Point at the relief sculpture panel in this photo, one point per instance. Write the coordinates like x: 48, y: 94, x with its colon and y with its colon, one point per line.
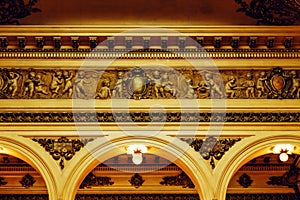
x: 149, y: 83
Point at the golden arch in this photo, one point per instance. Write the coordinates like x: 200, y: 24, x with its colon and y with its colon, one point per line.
x: 245, y: 151
x: 189, y: 162
x: 26, y: 153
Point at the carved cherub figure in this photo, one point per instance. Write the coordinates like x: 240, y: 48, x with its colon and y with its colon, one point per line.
x: 57, y: 81
x: 118, y: 90
x: 167, y: 86
x: 249, y: 85
x: 29, y: 84
x: 40, y: 86
x: 202, y: 90
x: 13, y: 83
x: 104, y: 92
x: 295, y: 90
x: 68, y: 83
x: 156, y: 78
x: 260, y: 84
x: 230, y: 87
x: 214, y: 88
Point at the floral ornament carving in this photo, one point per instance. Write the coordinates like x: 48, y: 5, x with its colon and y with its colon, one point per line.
x: 139, y: 117
x: 2, y: 182
x: 271, y: 12
x: 27, y: 181
x: 12, y: 10
x: 211, y: 148
x: 180, y: 180
x: 136, y: 180
x: 62, y: 148
x: 92, y: 180
x: 245, y: 180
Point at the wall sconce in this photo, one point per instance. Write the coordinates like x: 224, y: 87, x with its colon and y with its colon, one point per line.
x: 284, y: 150
x: 137, y: 151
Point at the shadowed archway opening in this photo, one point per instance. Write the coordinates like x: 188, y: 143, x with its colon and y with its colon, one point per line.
x: 19, y: 180
x: 119, y: 178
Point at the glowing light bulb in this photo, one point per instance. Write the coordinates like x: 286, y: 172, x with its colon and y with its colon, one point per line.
x: 283, y: 157
x: 137, y: 158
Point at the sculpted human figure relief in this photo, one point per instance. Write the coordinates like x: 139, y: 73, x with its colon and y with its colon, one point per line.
x: 260, y: 84
x: 215, y: 90
x: 13, y: 83
x: 104, y: 92
x: 40, y: 86
x: 119, y: 86
x: 295, y: 89
x: 230, y: 87
x: 56, y: 83
x: 167, y: 87
x: 249, y: 86
x: 68, y: 83
x: 29, y: 84
x: 157, y: 85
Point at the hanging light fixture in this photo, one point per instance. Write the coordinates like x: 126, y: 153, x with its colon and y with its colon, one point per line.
x: 284, y: 150
x: 137, y: 151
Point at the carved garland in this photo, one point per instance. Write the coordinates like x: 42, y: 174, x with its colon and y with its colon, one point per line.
x: 62, y: 148
x: 211, y: 147
x: 141, y: 117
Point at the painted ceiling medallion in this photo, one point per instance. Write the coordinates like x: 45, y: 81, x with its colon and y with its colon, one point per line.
x: 13, y: 10
x: 271, y: 12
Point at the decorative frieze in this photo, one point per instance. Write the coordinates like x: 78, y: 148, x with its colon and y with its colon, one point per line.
x: 180, y: 180
x: 24, y: 196
x: 91, y: 180
x: 62, y: 148
x: 139, y: 83
x: 211, y: 148
x: 142, y: 117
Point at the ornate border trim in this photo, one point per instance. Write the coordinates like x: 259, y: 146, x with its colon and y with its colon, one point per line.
x: 144, y: 117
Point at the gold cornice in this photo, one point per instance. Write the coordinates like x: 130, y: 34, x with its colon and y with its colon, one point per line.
x: 83, y: 30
